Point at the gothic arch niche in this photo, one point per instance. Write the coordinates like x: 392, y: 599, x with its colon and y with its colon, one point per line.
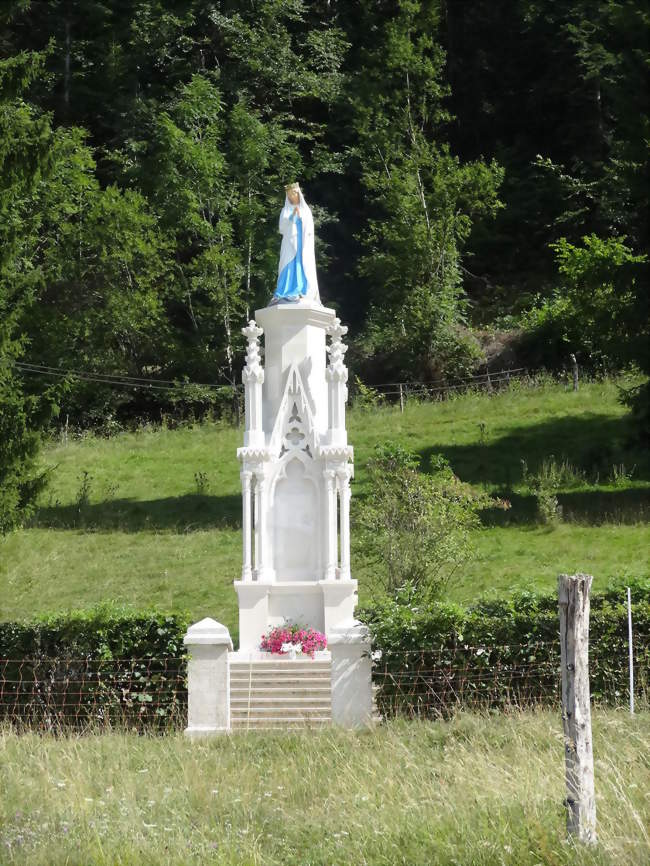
x: 295, y: 524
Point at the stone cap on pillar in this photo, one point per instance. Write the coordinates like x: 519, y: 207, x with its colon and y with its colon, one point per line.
x: 207, y: 632
x: 304, y: 312
x: 350, y: 632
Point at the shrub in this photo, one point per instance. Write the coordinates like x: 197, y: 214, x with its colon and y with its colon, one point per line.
x: 499, y: 651
x: 103, y: 665
x: 599, y: 310
x: 414, y: 528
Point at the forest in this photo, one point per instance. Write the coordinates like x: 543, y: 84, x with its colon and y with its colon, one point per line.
x: 478, y: 174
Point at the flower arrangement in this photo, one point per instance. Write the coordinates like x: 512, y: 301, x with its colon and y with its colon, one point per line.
x: 291, y: 639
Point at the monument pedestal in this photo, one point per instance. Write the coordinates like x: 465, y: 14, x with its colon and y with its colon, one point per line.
x: 296, y: 467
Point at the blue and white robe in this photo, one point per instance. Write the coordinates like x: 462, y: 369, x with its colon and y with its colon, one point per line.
x: 297, y: 267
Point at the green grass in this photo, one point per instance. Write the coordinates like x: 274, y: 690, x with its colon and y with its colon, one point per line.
x: 146, y: 532
x: 474, y: 791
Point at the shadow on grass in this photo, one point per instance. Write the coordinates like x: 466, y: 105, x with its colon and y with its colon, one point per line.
x: 189, y: 513
x: 589, y: 507
x: 593, y: 443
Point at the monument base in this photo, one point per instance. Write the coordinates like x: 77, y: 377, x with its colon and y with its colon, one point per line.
x: 322, y: 605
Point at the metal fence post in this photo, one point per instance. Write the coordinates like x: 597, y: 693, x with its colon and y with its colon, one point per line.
x: 630, y: 648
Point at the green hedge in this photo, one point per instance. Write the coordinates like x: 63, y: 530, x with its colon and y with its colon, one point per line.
x: 111, y: 665
x: 106, y: 665
x: 431, y: 660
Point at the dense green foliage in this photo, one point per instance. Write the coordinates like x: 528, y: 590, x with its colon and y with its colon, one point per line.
x: 25, y: 159
x: 413, y: 528
x: 105, y: 632
x: 436, y: 657
x: 446, y: 149
x: 103, y: 665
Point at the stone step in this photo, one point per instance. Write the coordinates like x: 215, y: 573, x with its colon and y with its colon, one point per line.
x: 280, y: 682
x: 286, y: 722
x: 290, y: 669
x: 280, y: 694
x: 307, y: 704
x: 280, y: 701
x: 270, y: 692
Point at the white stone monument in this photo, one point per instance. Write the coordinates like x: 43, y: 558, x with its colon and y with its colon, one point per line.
x: 295, y: 472
x: 296, y: 467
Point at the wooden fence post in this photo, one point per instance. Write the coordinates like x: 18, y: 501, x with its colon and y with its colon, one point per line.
x: 573, y: 600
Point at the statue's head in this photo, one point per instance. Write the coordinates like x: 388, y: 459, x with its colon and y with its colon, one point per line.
x: 293, y: 193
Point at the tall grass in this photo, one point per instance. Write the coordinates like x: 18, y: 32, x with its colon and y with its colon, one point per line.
x: 476, y: 791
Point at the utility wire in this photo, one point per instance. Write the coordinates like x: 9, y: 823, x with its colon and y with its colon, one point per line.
x: 118, y: 379
x: 167, y: 385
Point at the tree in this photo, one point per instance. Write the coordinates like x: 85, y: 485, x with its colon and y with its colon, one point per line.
x: 422, y: 200
x: 414, y: 528
x: 599, y: 310
x: 25, y: 139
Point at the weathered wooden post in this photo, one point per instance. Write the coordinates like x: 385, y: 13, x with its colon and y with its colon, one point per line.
x: 573, y: 599
x: 401, y: 398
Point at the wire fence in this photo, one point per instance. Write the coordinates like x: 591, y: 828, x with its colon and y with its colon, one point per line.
x: 63, y: 694
x: 490, y: 380
x: 438, y: 683
x: 151, y: 694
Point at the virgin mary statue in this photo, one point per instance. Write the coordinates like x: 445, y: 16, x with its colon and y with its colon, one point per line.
x: 297, y: 268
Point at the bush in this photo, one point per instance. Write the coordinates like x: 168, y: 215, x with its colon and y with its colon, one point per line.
x: 598, y: 312
x: 499, y: 651
x: 413, y: 527
x: 99, y: 666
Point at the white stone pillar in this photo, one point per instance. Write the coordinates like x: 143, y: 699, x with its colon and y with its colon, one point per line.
x: 256, y: 526
x: 265, y: 573
x: 331, y: 527
x: 337, y: 376
x: 247, y: 565
x: 253, y: 378
x: 349, y: 644
x: 208, y: 678
x: 344, y: 495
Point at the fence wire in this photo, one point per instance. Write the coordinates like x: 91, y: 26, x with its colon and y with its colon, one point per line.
x: 58, y: 694
x: 52, y: 694
x: 438, y: 683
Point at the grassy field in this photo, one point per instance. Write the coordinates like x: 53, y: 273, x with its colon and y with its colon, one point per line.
x: 153, y: 517
x: 471, y: 791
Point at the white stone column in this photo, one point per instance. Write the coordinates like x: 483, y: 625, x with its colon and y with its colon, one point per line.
x: 331, y: 527
x: 247, y: 566
x: 253, y: 378
x: 337, y: 376
x: 265, y: 573
x: 208, y: 678
x: 344, y: 498
x: 349, y: 644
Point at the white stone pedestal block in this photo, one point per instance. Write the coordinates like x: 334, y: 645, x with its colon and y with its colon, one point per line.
x: 349, y: 645
x: 208, y: 678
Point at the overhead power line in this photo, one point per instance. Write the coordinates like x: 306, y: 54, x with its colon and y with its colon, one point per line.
x: 113, y: 379
x: 387, y: 389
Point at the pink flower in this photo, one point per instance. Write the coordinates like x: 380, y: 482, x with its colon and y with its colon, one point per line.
x: 308, y: 638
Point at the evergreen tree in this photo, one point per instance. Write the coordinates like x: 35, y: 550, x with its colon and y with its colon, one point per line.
x: 422, y: 198
x: 25, y: 138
